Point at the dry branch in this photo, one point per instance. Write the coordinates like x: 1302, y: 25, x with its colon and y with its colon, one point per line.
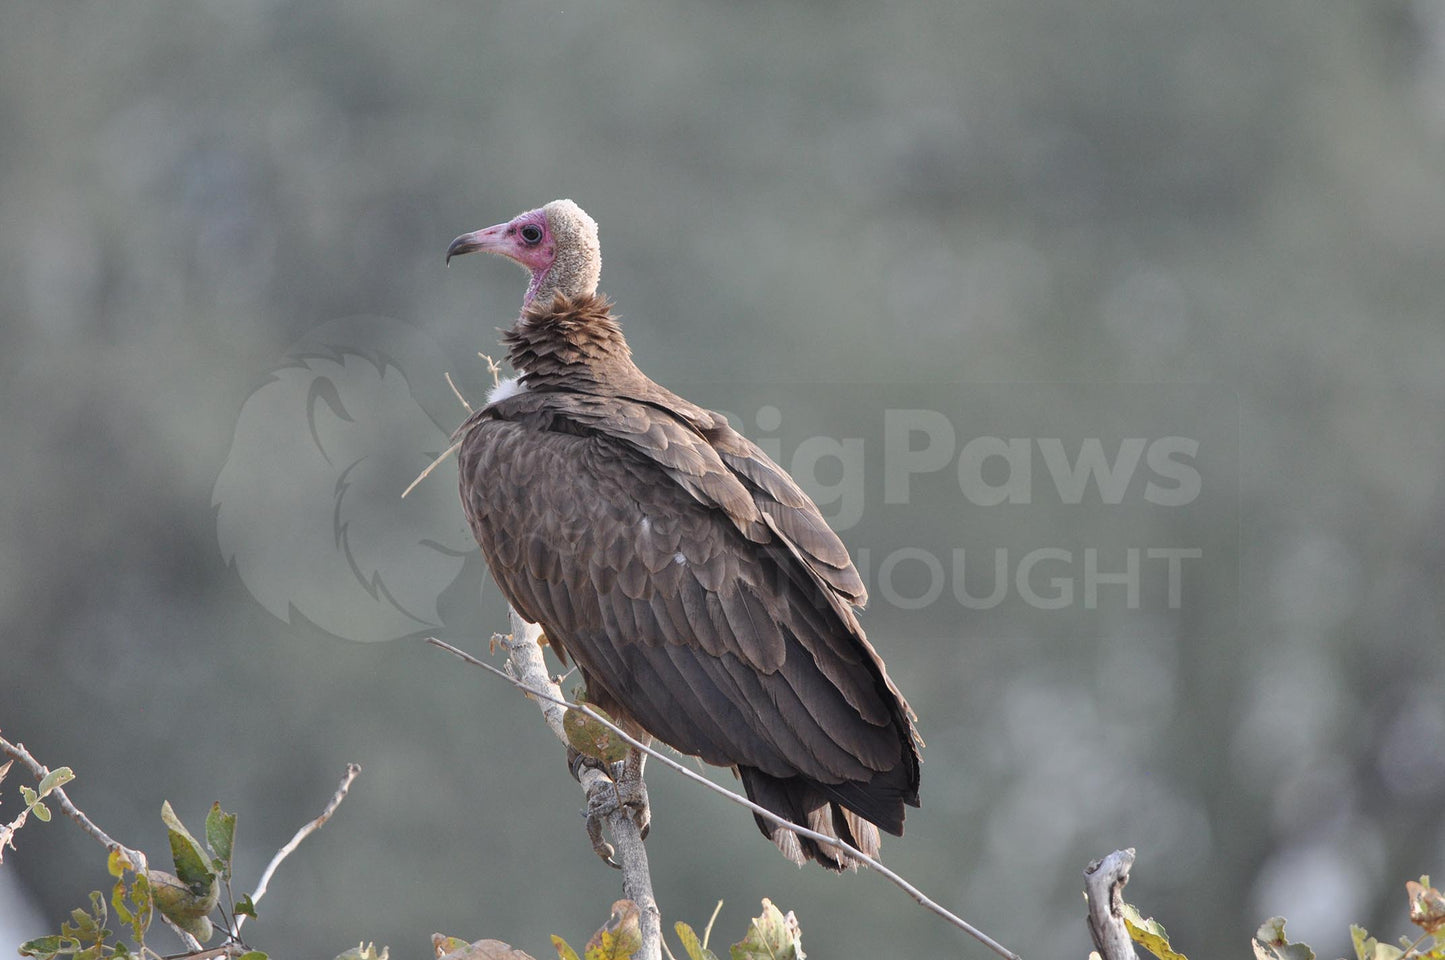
x: 1104, y: 883
x: 529, y: 671
x: 307, y: 829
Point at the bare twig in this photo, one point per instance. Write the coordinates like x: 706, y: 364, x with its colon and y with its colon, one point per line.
x: 352, y: 770
x: 707, y: 931
x: 39, y: 771
x: 493, y: 367
x: 496, y: 372
x: 452, y: 383
x: 1411, y: 950
x: 560, y: 703
x: 1104, y: 884
x: 188, y: 940
x: 232, y: 949
x: 430, y: 467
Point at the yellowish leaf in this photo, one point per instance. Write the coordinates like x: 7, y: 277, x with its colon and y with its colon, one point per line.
x: 620, y: 937
x: 1149, y: 934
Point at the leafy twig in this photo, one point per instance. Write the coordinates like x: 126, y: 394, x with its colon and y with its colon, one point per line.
x: 524, y: 656
x: 17, y: 751
x: 453, y: 384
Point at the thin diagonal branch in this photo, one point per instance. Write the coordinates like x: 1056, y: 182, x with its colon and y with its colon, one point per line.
x: 430, y: 467
x: 560, y: 703
x: 39, y: 771
x: 352, y: 770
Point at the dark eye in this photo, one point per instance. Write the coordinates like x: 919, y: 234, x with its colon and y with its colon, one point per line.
x: 531, y: 233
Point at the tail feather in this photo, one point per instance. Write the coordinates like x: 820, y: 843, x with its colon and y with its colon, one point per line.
x: 809, y: 804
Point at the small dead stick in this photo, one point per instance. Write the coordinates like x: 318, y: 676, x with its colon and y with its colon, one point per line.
x: 496, y: 372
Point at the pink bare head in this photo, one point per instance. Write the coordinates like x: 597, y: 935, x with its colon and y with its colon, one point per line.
x: 556, y: 244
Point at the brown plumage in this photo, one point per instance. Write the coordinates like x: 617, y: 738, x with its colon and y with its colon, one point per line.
x: 697, y: 588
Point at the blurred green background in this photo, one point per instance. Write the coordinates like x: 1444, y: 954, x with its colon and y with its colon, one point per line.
x: 1244, y: 196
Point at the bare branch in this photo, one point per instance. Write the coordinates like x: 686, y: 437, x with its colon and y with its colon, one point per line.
x: 493, y: 367
x: 18, y: 752
x: 528, y: 670
x: 352, y: 770
x: 213, y: 953
x: 188, y: 940
x: 552, y: 694
x: 1104, y: 883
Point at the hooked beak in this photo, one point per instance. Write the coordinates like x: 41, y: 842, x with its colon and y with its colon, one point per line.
x: 491, y: 240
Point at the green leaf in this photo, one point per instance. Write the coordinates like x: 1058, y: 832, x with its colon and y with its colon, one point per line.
x: 47, y: 948
x: 1271, y: 943
x: 221, y: 834
x: 28, y: 795
x: 1148, y: 933
x: 41, y: 811
x: 84, y: 934
x: 1368, y: 948
x: 58, y: 777
x: 771, y: 936
x: 590, y: 737
x: 88, y: 927
x: 245, y: 908
x: 364, y: 951
x: 117, y: 903
x: 452, y: 948
x: 441, y: 944
x: 690, y: 943
x: 182, y: 905
x: 138, y: 914
x: 564, y: 949
x: 192, y: 865
x: 253, y: 955
x: 1357, y: 938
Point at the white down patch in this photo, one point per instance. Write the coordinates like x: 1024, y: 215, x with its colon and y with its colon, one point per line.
x: 506, y: 389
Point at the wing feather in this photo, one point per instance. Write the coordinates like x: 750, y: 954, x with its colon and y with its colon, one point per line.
x: 698, y: 589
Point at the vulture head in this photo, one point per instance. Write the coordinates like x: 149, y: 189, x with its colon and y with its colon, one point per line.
x: 557, y: 244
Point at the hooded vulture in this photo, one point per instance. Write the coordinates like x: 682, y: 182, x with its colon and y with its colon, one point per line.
x: 694, y: 584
